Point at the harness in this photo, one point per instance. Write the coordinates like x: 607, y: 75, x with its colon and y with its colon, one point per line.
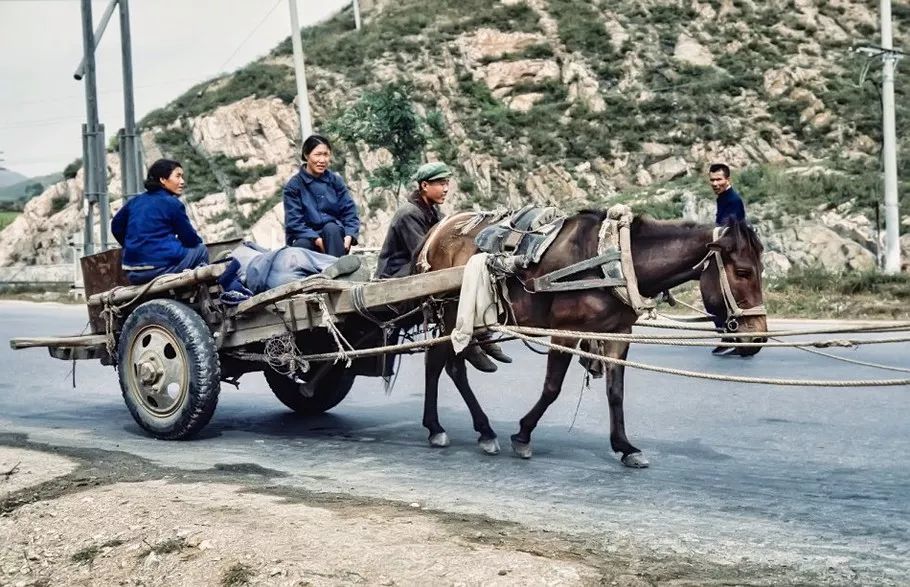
x: 734, y: 311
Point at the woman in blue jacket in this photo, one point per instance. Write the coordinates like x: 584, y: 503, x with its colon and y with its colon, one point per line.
x: 319, y: 213
x: 157, y: 237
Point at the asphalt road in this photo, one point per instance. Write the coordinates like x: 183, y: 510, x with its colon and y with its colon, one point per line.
x: 816, y: 480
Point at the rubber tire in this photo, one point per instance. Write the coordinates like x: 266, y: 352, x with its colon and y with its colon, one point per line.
x: 333, y: 388
x: 198, y: 345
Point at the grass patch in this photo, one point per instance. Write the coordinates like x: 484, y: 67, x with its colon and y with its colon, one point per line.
x: 166, y: 546
x: 238, y: 574
x: 257, y: 79
x: 59, y: 202
x: 88, y: 554
x: 6, y: 218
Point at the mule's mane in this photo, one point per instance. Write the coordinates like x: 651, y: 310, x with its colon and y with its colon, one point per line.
x: 741, y: 235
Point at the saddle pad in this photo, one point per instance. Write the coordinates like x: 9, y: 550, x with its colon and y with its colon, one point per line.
x: 528, y: 232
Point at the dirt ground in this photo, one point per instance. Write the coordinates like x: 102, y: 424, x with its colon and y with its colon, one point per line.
x: 66, y: 522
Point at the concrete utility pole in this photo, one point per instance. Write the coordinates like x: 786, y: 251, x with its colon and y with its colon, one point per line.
x: 303, y: 100
x: 94, y: 152
x: 357, y: 14
x: 130, y: 162
x: 91, y: 133
x: 889, y: 145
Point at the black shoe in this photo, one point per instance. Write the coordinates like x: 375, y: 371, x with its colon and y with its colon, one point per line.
x: 343, y: 266
x: 480, y: 360
x: 495, y: 352
x: 723, y: 350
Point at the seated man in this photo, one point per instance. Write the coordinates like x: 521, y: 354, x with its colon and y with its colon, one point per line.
x: 157, y: 237
x: 409, y: 227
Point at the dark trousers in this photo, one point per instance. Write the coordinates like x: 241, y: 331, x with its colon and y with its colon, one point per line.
x: 332, y: 239
x: 195, y: 257
x: 192, y: 258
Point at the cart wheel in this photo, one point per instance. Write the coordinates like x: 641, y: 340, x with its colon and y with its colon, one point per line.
x: 169, y: 370
x: 312, y: 399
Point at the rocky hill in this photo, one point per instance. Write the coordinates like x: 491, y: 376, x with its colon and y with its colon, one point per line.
x: 574, y: 102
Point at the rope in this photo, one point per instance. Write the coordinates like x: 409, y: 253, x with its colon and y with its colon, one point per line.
x: 651, y: 338
x: 856, y: 361
x: 711, y: 376
x: 380, y: 350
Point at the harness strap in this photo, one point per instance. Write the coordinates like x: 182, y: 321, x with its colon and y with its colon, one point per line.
x: 733, y: 309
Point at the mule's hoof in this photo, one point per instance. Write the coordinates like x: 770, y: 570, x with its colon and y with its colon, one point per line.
x: 490, y: 447
x: 440, y: 440
x: 636, y: 460
x: 521, y: 449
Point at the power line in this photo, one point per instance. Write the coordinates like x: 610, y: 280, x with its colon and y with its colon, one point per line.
x: 250, y: 35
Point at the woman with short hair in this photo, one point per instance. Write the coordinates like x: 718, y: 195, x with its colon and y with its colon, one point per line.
x: 319, y: 213
x: 157, y: 237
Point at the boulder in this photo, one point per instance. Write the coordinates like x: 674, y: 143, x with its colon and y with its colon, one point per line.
x: 690, y: 51
x: 669, y: 168
x: 505, y: 74
x: 490, y: 44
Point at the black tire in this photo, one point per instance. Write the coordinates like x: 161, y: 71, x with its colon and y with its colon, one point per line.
x: 327, y: 393
x: 169, y: 369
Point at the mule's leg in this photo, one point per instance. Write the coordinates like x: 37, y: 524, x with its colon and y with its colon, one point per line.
x: 557, y: 365
x: 456, y: 369
x: 615, y: 377
x: 435, y: 361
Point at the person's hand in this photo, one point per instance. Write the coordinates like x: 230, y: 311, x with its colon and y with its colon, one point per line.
x: 319, y: 245
x: 347, y: 242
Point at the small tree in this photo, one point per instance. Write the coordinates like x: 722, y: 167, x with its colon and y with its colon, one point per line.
x: 33, y: 189
x: 386, y: 119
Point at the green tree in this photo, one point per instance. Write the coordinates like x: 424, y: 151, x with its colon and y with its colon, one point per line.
x: 386, y: 119
x: 34, y: 189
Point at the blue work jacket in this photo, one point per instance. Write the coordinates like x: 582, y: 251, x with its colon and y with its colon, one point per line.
x: 729, y: 205
x: 311, y: 202
x: 154, y: 230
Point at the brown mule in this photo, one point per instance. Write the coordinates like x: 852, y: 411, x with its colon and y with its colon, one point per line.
x: 664, y: 255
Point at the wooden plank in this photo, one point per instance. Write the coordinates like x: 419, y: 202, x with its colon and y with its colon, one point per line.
x: 401, y: 289
x: 89, y: 340
x: 312, y: 283
x: 265, y: 323
x: 204, y: 274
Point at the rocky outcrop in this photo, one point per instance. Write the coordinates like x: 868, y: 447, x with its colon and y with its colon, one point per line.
x: 690, y: 51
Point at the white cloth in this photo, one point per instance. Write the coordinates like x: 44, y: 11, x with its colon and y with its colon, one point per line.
x: 478, y: 304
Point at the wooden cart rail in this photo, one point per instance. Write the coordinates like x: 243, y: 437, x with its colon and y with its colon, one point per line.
x: 271, y: 312
x: 276, y: 310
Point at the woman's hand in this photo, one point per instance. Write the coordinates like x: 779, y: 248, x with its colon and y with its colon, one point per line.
x: 319, y: 244
x: 347, y: 243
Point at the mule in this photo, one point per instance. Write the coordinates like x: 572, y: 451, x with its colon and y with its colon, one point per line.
x: 665, y: 254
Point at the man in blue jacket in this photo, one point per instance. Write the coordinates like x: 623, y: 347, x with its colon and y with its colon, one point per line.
x: 729, y: 202
x: 729, y: 207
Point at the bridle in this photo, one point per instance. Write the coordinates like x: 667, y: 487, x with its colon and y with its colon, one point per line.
x: 733, y: 309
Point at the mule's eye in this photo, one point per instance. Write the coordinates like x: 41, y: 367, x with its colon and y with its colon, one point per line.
x: 744, y: 273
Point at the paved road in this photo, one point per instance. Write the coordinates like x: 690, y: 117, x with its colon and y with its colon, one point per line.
x: 811, y: 479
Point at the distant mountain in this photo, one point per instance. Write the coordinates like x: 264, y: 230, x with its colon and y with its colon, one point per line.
x: 8, y: 177
x: 22, y: 189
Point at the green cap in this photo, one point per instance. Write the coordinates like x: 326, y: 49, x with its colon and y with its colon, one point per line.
x: 431, y: 171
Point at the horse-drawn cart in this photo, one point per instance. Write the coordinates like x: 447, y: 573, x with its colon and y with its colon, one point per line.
x: 173, y: 342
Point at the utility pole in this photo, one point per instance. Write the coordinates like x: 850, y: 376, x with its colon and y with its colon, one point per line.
x: 303, y: 101
x: 889, y: 145
x: 94, y: 152
x: 93, y: 184
x: 130, y: 164
x: 356, y: 14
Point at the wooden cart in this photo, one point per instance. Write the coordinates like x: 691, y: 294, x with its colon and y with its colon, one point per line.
x: 173, y: 342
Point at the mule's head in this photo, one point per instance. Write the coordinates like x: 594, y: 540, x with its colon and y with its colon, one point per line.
x: 734, y: 295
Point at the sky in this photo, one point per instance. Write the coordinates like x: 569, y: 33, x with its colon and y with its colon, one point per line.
x: 176, y: 43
